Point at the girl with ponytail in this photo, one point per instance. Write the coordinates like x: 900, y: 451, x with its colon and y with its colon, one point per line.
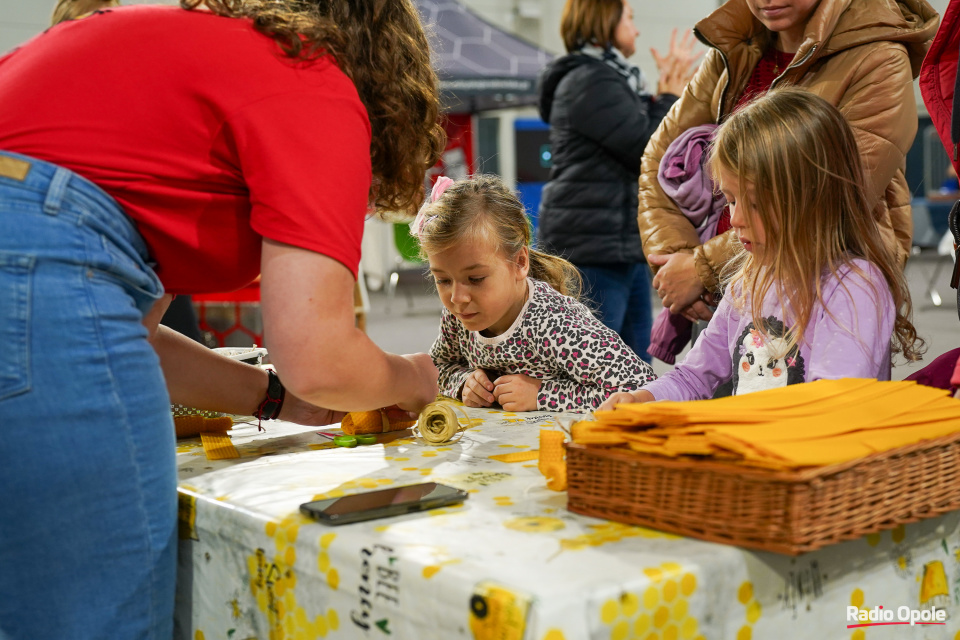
x: 513, y: 332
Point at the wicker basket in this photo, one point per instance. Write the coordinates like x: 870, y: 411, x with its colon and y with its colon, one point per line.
x: 786, y: 512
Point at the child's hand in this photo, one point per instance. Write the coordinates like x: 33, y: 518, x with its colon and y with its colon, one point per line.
x: 517, y: 392
x: 640, y: 395
x: 477, y: 390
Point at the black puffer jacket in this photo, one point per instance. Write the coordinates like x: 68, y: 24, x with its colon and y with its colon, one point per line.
x: 598, y: 130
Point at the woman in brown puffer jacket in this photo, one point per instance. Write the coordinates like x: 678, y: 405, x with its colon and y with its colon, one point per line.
x: 860, y: 55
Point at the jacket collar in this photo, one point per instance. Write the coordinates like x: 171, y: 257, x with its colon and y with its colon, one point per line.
x: 834, y: 26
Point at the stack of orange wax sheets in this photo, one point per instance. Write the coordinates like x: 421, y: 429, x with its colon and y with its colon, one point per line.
x: 805, y: 425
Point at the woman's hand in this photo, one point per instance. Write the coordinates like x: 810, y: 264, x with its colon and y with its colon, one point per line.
x: 517, y: 392
x: 678, y: 66
x: 296, y: 410
x: 477, y: 390
x: 640, y: 395
x: 676, y: 282
x: 425, y: 382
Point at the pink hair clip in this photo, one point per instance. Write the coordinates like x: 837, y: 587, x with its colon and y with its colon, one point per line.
x: 441, y: 185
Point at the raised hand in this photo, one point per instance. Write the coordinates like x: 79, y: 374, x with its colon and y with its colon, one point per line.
x: 678, y: 65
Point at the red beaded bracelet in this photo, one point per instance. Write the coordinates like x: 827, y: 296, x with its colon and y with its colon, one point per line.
x: 269, y: 409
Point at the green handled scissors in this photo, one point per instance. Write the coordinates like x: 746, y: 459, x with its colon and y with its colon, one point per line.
x: 349, y: 442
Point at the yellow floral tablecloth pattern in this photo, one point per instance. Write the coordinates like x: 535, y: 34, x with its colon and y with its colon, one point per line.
x: 511, y: 563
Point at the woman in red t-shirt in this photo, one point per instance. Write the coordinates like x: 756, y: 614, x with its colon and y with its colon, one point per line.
x: 147, y: 151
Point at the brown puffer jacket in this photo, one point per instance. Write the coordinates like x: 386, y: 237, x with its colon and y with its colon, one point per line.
x: 860, y: 55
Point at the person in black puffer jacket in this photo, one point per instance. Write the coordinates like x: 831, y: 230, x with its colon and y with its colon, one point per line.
x: 601, y: 117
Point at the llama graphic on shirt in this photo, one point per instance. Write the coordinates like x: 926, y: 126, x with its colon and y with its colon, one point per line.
x: 759, y: 362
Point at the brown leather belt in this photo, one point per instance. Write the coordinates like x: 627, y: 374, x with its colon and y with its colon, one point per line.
x: 14, y: 168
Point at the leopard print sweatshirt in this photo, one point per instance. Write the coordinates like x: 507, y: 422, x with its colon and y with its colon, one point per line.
x: 554, y: 339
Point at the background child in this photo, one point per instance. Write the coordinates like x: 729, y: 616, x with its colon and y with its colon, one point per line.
x: 72, y: 9
x: 815, y: 291
x: 523, y: 342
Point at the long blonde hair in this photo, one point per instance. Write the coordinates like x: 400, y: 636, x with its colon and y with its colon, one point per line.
x: 72, y: 9
x: 381, y: 46
x: 484, y: 205
x: 801, y: 157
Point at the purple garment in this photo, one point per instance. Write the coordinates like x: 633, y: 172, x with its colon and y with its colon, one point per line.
x: 669, y: 335
x: 938, y: 373
x: 851, y: 341
x: 683, y: 178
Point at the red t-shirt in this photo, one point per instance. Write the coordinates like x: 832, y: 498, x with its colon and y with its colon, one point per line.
x: 768, y: 68
x: 204, y: 132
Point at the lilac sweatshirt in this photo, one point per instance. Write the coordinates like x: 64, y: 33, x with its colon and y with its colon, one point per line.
x: 851, y: 341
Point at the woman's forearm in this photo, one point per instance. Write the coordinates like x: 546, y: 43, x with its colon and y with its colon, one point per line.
x: 345, y: 371
x: 201, y: 378
x: 309, y: 323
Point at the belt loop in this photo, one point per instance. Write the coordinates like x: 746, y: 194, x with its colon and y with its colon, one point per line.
x: 58, y: 186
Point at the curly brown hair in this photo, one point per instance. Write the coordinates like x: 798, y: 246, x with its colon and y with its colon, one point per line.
x: 381, y: 46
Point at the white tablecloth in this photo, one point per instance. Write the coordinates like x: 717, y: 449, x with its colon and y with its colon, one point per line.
x: 511, y: 563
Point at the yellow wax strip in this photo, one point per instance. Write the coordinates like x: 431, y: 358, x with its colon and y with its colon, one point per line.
x: 600, y: 438
x: 517, y: 456
x: 644, y: 439
x: 818, y: 423
x: 218, y: 446
x: 885, y: 439
x: 896, y: 402
x: 814, y: 398
x: 193, y: 425
x: 690, y: 445
x: 658, y: 449
x: 797, y: 398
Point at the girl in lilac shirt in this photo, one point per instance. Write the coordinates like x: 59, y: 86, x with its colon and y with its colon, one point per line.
x: 814, y: 293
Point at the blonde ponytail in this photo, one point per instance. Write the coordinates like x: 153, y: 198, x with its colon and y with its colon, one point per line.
x: 484, y: 204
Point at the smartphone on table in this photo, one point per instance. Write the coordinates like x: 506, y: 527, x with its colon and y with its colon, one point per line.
x: 393, y: 501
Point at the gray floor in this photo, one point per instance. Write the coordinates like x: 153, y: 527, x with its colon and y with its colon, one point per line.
x: 409, y: 323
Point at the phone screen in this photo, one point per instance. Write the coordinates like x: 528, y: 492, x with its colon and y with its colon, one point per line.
x: 383, y: 503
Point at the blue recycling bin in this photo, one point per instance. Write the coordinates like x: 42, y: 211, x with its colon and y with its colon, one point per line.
x: 534, y: 159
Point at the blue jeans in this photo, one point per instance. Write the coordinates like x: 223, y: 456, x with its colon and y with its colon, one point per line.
x: 87, y: 471
x: 620, y: 294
